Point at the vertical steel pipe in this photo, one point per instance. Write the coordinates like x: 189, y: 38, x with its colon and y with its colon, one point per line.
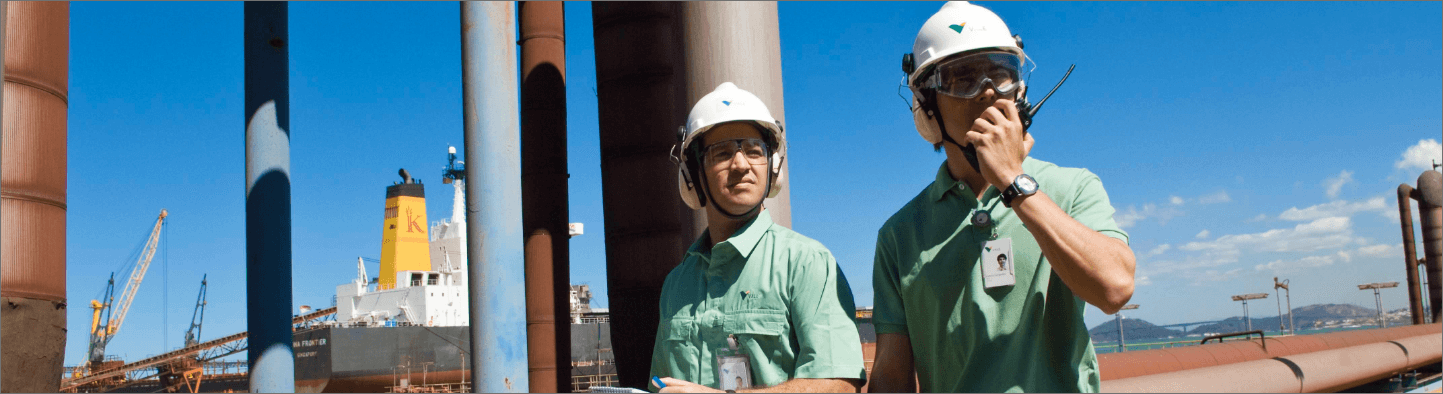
x: 1430, y: 214
x: 36, y: 53
x: 268, y: 198
x: 738, y: 42
x: 544, y: 193
x: 641, y: 99
x: 493, y: 192
x: 1410, y: 254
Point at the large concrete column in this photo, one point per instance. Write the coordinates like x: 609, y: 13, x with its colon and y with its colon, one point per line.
x: 641, y: 100
x: 1410, y: 253
x: 493, y: 192
x: 738, y: 42
x: 1430, y: 214
x: 544, y: 194
x: 32, y: 195
x: 268, y: 198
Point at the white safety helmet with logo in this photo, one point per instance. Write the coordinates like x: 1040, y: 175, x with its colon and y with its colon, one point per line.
x: 957, y: 28
x: 727, y: 103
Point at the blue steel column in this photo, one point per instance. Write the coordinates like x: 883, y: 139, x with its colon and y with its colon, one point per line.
x: 268, y: 199
x: 493, y: 196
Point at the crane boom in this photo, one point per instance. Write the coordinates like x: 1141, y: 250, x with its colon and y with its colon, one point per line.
x: 113, y: 325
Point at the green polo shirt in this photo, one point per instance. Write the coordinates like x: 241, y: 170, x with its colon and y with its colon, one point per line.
x: 779, y: 293
x: 966, y: 338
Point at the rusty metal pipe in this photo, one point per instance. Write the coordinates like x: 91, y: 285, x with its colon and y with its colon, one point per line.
x: 1430, y: 214
x: 738, y: 42
x: 33, y: 195
x: 640, y: 102
x: 544, y: 194
x: 1136, y: 363
x: 1410, y: 254
x: 1318, y: 371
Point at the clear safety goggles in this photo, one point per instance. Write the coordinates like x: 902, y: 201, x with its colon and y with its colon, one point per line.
x: 754, y: 149
x: 967, y: 76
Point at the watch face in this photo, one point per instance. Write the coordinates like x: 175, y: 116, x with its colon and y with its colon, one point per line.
x: 1026, y: 184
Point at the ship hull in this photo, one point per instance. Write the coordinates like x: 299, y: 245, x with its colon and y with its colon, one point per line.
x: 369, y: 359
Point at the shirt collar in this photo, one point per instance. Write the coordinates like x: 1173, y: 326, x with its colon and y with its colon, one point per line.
x: 743, y: 241
x: 944, y: 183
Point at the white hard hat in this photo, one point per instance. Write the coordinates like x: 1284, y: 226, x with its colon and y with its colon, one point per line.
x: 727, y: 103
x: 956, y: 28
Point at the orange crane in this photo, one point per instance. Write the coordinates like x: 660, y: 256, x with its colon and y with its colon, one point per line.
x: 103, y: 325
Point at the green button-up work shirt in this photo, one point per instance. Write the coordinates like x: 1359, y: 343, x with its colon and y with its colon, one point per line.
x: 779, y: 293
x: 968, y: 338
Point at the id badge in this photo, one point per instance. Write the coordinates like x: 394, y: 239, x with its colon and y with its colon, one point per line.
x: 733, y: 368
x: 997, y: 265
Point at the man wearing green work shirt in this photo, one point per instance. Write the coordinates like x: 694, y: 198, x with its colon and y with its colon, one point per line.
x: 982, y: 278
x: 754, y: 306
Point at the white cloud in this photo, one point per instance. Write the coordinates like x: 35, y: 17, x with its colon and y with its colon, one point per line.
x: 1130, y: 216
x: 1379, y: 250
x: 1175, y: 200
x: 1335, y: 209
x: 1203, y: 234
x: 1160, y: 249
x: 1259, y: 218
x: 1335, y: 184
x: 1281, y: 266
x: 1215, y: 276
x: 1421, y: 156
x: 1220, y: 197
x: 1142, y: 281
x: 1325, y: 233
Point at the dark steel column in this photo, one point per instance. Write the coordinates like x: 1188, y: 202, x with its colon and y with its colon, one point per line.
x: 738, y: 42
x: 1410, y: 254
x: 544, y: 195
x: 641, y: 100
x: 32, y: 195
x: 1430, y: 212
x: 268, y: 198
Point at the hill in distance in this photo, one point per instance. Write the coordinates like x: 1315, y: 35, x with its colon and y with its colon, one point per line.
x: 1306, y: 317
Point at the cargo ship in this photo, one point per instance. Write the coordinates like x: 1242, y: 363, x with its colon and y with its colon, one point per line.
x: 408, y: 326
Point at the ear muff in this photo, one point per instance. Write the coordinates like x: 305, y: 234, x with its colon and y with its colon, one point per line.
x: 775, y: 187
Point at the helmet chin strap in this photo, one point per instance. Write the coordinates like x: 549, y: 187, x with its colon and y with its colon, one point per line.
x: 968, y: 151
x: 749, y: 212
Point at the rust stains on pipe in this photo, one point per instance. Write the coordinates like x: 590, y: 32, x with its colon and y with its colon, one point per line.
x: 1157, y: 361
x: 738, y: 42
x: 1430, y: 214
x: 1319, y: 371
x: 544, y: 195
x: 1410, y: 254
x: 640, y: 102
x: 37, y: 47
x: 32, y: 195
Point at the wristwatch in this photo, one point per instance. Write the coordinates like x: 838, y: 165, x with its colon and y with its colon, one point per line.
x: 1023, y: 185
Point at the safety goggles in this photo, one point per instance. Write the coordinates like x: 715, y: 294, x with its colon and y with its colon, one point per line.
x: 967, y: 76
x: 755, y: 150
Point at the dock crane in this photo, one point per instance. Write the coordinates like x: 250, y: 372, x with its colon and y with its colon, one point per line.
x: 192, y: 335
x: 103, y: 325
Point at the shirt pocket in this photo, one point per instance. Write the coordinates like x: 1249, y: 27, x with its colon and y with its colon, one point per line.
x: 679, y: 347
x: 763, y: 335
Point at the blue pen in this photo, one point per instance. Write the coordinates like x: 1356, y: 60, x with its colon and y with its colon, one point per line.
x: 657, y: 381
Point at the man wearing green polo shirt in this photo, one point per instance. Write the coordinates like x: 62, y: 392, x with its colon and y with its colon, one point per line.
x: 754, y: 306
x: 947, y: 308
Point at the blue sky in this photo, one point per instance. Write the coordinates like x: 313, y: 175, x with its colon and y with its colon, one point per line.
x: 1238, y: 141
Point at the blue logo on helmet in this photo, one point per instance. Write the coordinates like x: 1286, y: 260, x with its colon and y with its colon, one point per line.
x: 727, y: 103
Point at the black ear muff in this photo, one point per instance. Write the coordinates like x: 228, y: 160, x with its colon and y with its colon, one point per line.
x: 907, y: 64
x: 1018, y: 38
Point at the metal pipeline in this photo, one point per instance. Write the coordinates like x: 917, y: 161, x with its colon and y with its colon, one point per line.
x: 544, y: 192
x: 640, y: 102
x: 1116, y: 366
x: 1318, y: 371
x: 738, y: 42
x: 1410, y: 254
x: 268, y: 198
x: 493, y: 191
x: 33, y: 173
x: 1430, y: 214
